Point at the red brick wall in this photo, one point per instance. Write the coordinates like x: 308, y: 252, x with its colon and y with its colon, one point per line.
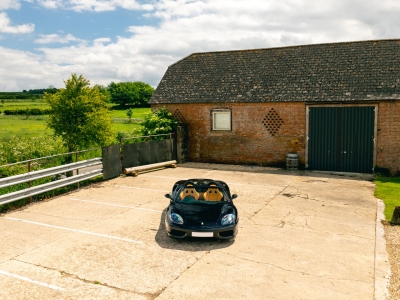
x: 388, y: 136
x: 249, y: 142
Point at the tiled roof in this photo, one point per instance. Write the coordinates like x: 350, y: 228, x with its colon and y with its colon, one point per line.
x: 354, y: 71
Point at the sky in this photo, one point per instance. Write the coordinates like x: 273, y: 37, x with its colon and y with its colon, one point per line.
x: 42, y: 42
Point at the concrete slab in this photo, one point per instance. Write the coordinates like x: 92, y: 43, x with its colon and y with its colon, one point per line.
x: 38, y: 282
x: 218, y: 276
x: 302, y: 236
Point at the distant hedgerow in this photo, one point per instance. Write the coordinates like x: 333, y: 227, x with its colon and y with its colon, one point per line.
x: 32, y: 112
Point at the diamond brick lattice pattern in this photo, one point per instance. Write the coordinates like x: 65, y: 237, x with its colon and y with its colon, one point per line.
x: 178, y: 115
x: 272, y: 122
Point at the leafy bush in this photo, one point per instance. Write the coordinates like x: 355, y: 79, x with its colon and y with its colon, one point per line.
x: 15, y: 148
x: 35, y: 112
x: 159, y: 121
x: 129, y: 113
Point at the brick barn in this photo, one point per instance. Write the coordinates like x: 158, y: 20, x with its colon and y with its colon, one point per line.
x: 336, y: 105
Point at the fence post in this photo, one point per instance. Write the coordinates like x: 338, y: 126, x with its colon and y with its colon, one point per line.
x: 76, y: 160
x: 172, y: 145
x: 30, y: 182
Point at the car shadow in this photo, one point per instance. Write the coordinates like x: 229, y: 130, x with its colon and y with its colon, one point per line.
x: 188, y: 244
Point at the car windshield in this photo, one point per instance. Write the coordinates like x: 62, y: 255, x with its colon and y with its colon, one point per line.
x: 201, y: 192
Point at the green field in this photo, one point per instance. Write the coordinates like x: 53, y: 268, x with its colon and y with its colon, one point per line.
x: 36, y: 125
x: 22, y: 104
x: 24, y: 127
x: 137, y: 113
x: 116, y: 111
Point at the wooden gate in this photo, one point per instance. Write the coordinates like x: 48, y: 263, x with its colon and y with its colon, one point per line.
x: 341, y: 138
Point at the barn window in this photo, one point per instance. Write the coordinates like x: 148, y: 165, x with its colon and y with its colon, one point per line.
x: 221, y: 119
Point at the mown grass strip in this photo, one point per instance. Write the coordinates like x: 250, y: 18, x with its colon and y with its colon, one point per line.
x: 388, y: 189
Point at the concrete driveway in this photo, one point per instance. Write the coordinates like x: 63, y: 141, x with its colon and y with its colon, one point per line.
x: 301, y: 236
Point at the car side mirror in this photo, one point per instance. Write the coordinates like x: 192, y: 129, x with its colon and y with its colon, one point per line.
x: 168, y: 196
x: 234, y: 196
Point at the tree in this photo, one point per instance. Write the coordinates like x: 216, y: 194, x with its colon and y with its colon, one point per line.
x: 79, y: 114
x: 159, y: 121
x: 27, y: 113
x: 129, y: 113
x: 104, y: 90
x: 51, y: 90
x: 130, y: 93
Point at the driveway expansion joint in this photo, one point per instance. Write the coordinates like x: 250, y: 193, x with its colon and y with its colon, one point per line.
x: 187, y: 268
x: 276, y: 195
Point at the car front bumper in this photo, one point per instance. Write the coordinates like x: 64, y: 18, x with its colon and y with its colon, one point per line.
x: 219, y: 233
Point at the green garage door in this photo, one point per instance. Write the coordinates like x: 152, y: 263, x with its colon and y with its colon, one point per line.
x: 341, y: 139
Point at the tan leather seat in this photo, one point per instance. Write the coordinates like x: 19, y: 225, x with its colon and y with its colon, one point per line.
x: 213, y: 194
x: 189, y: 191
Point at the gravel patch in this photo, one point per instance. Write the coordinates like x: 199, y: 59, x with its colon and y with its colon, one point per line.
x: 392, y: 235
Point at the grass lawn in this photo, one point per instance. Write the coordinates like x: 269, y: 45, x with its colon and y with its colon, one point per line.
x: 36, y: 126
x: 137, y: 112
x: 388, y: 189
x: 125, y: 127
x: 116, y: 112
x: 23, y: 104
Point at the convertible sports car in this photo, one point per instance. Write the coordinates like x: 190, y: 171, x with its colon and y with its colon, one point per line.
x: 201, y: 208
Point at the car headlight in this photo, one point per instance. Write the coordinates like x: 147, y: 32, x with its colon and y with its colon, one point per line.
x: 228, y: 219
x: 175, y: 218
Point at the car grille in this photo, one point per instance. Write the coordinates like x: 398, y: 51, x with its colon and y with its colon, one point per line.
x: 177, y: 233
x: 227, y: 233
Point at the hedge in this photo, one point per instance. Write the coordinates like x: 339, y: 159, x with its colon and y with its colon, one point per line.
x: 30, y: 112
x: 19, y: 95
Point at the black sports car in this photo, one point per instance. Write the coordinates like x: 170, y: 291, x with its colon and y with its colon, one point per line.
x: 201, y: 208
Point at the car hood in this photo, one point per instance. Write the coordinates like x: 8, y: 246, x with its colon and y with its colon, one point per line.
x: 202, y: 214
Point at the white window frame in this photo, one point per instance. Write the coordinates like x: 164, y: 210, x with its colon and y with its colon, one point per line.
x: 215, y: 126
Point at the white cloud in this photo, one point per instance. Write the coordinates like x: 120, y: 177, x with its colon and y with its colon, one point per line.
x: 94, y: 5
x: 6, y: 27
x: 102, y: 41
x: 195, y: 26
x: 23, y: 70
x: 56, y: 38
x: 9, y: 4
x: 50, y: 4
